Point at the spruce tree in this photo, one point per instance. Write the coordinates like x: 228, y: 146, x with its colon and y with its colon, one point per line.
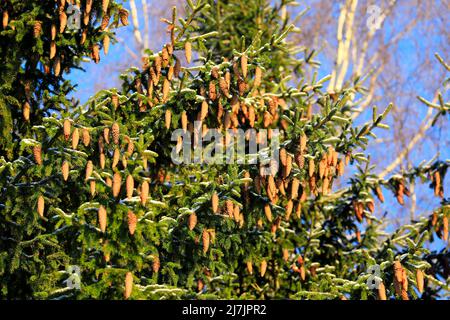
x: 140, y: 226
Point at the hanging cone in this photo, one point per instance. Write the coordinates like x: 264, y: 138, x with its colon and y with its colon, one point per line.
x: 229, y: 207
x: 88, y: 6
x: 89, y: 170
x: 258, y: 76
x: 123, y: 15
x: 283, y: 156
x: 106, y: 41
x: 249, y: 267
x: 419, y: 280
x: 102, y: 160
x: 52, y: 49
x: 268, y: 212
x: 53, y: 32
x: 130, y: 186
x: 184, y: 121
x: 130, y: 147
x: 5, y: 20
x: 102, y: 218
x: 92, y: 187
x: 129, y: 276
x: 263, y: 268
x: 398, y: 277
x: 445, y: 228
x: 66, y: 129
x: 188, y: 51
x: 116, y: 158
x: 109, y: 182
x: 156, y: 264
x: 244, y: 61
x: 215, y: 202
x: 132, y: 222
x: 105, y: 4
x: 289, y: 208
x: 62, y: 21
x: 37, y: 29
x: 204, y: 110
x: 192, y: 221
x: 168, y: 118
x: 37, y: 153
x: 75, y: 138
x: 117, y: 182
x: 115, y: 132
x: 65, y: 170
x: 166, y: 89
x: 295, y: 184
x: 379, y: 194
x: 105, y: 22
x: 205, y: 241
x: 83, y: 36
x: 40, y: 206
x: 223, y: 85
x: 177, y: 68
x: 95, y: 53
x: 86, y: 137
x: 115, y: 101
x: 144, y: 192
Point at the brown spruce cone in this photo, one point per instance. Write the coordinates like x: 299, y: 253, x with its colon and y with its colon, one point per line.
x: 5, y: 19
x: 37, y: 29
x: 96, y: 53
x: 379, y: 194
x: 106, y: 42
x: 37, y: 153
x: 204, y: 110
x: 258, y: 76
x: 205, y: 241
x: 129, y: 276
x: 116, y: 158
x: 89, y: 170
x: 263, y: 268
x: 289, y: 208
x: 62, y: 21
x: 168, y: 118
x: 268, y: 212
x: 130, y: 186
x: 41, y: 206
x: 295, y: 184
x: 215, y: 202
x: 132, y: 222
x: 156, y: 264
x: 144, y: 192
x: 115, y: 101
x: 102, y: 218
x: 419, y: 280
x: 66, y: 129
x: 115, y: 132
x: 117, y: 182
x: 192, y: 221
x: 249, y: 267
x: 105, y: 4
x: 244, y: 63
x: 105, y: 22
x: 86, y: 137
x: 75, y: 138
x: 165, y: 90
x: 65, y: 170
x: 188, y: 51
x: 52, y: 49
x: 92, y: 187
x: 445, y: 228
x: 123, y: 15
x: 88, y: 5
x: 102, y: 160
x: 382, y: 292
